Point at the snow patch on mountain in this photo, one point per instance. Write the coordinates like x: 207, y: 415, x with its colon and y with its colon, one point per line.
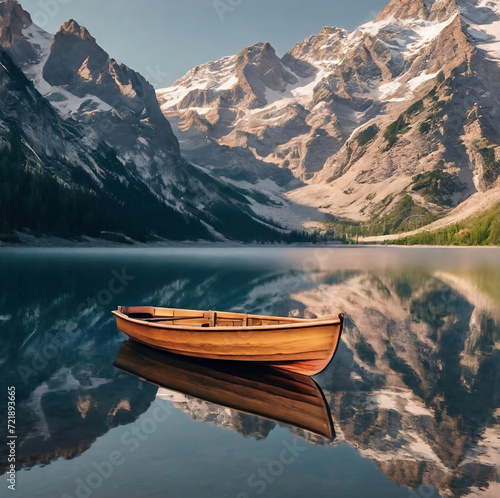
x: 414, y: 83
x: 401, y: 401
x: 484, y: 26
x: 407, y: 35
x: 201, y: 78
x: 65, y: 102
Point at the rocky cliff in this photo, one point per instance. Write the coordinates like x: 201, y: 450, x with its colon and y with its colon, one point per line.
x: 87, y: 133
x: 357, y: 116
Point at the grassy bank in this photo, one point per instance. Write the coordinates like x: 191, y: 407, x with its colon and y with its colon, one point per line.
x: 481, y: 230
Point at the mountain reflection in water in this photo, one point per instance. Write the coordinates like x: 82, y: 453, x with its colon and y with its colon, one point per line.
x: 414, y: 386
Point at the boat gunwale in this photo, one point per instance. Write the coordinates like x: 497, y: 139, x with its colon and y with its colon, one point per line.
x: 306, y: 323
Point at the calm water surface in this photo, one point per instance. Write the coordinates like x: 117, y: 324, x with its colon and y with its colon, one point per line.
x: 413, y: 390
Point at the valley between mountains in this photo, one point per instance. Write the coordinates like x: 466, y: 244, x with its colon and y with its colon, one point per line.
x: 391, y: 129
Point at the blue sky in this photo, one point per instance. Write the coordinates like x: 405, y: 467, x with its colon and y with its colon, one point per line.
x: 163, y: 39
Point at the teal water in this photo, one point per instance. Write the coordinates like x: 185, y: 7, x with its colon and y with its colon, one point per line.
x: 413, y: 390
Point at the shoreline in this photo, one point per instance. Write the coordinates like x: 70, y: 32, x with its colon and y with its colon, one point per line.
x: 222, y: 245
x: 52, y: 242
x: 28, y: 241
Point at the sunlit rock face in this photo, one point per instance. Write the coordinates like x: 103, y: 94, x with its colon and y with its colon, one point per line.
x: 355, y: 116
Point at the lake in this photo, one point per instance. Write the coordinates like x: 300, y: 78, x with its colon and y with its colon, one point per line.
x: 413, y: 390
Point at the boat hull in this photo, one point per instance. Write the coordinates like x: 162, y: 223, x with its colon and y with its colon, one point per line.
x: 304, y: 346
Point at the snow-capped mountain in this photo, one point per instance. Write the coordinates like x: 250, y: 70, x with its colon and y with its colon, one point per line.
x: 79, y: 121
x: 355, y: 116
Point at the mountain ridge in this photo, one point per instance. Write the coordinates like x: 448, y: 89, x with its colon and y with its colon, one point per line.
x: 391, y: 127
x: 88, y: 132
x: 431, y: 65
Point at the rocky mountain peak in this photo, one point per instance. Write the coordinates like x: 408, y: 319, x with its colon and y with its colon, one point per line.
x: 332, y: 30
x: 322, y: 46
x: 83, y: 82
x: 258, y: 49
x: 258, y: 54
x: 259, y: 68
x: 73, y: 47
x: 73, y: 28
x: 405, y: 9
x: 429, y: 10
x: 13, y: 16
x: 13, y: 19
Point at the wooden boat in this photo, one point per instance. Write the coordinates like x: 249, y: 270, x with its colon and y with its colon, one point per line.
x: 270, y: 393
x: 294, y: 344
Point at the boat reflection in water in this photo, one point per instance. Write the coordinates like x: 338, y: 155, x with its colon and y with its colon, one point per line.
x: 273, y: 394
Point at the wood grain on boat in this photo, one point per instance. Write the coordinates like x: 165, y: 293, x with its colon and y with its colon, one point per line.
x: 293, y: 344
